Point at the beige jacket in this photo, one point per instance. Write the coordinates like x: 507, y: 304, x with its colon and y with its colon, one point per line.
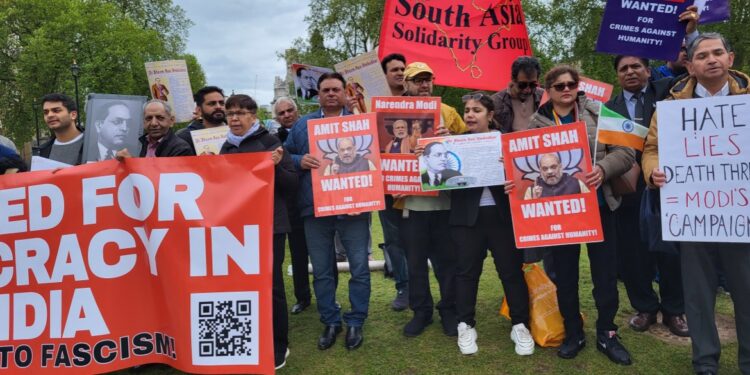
x: 684, y: 89
x: 613, y: 160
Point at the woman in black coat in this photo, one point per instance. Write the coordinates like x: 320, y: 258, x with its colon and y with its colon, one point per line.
x: 246, y: 134
x: 480, y: 220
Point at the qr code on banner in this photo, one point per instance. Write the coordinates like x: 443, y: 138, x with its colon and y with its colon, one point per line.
x: 224, y: 328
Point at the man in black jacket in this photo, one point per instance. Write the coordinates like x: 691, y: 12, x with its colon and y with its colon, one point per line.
x: 158, y: 139
x: 638, y: 265
x: 210, y: 107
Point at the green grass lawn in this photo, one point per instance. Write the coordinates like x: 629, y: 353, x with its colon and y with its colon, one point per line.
x: 387, y: 351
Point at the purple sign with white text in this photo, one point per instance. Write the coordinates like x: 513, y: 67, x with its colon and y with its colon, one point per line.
x: 644, y: 28
x: 712, y: 11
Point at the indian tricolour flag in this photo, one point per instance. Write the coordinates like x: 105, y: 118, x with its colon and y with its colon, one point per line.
x: 614, y: 129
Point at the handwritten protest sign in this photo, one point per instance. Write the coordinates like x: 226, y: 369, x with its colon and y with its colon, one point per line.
x: 465, y: 44
x: 349, y: 179
x: 169, y: 81
x: 116, y: 264
x: 461, y: 161
x: 551, y: 205
x: 703, y: 149
x: 645, y: 28
x: 401, y: 175
x: 402, y: 120
x: 364, y: 79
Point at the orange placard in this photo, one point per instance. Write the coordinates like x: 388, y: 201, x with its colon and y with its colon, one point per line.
x: 403, y: 120
x: 551, y: 205
x: 349, y: 179
x: 401, y: 175
x: 110, y: 265
x: 468, y: 44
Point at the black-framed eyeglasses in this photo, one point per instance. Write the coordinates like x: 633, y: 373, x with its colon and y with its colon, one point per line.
x: 475, y: 96
x: 523, y: 85
x: 562, y: 86
x: 420, y: 81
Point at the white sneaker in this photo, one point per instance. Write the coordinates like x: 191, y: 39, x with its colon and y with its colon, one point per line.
x: 282, y: 364
x: 467, y: 339
x: 522, y: 337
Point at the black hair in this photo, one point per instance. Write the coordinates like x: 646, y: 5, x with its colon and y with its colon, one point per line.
x: 391, y: 57
x: 66, y: 101
x: 526, y: 64
x: 299, y: 71
x: 619, y: 58
x: 104, y: 113
x: 706, y: 36
x: 429, y: 146
x: 200, y: 95
x: 242, y: 101
x: 331, y: 75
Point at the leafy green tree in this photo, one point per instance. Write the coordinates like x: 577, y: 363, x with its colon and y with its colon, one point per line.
x: 44, y: 37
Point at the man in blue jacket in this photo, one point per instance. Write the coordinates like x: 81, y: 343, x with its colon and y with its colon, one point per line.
x: 319, y: 231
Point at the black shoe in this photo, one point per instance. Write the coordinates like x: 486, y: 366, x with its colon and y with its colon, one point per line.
x: 328, y: 337
x: 571, y: 346
x: 354, y: 338
x: 706, y: 372
x: 608, y: 344
x: 416, y: 325
x: 299, y: 307
x: 450, y: 323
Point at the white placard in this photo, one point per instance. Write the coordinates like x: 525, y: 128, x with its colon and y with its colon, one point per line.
x: 39, y: 163
x: 461, y: 161
x: 704, y: 149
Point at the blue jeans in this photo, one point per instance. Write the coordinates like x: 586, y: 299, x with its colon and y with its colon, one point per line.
x: 390, y: 219
x: 355, y: 235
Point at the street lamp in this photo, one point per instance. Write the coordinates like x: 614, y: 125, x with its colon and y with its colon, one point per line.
x: 76, y: 70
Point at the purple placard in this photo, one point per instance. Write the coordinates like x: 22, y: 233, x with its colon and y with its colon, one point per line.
x: 646, y: 28
x: 713, y: 11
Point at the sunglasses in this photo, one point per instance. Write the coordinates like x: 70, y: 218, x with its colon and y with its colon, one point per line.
x: 475, y: 96
x: 562, y: 86
x: 524, y: 85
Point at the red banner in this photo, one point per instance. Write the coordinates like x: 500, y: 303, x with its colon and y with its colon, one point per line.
x: 349, y: 179
x: 469, y: 44
x: 111, y: 265
x: 551, y: 205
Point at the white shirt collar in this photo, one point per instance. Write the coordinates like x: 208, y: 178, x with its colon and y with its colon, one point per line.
x: 701, y: 91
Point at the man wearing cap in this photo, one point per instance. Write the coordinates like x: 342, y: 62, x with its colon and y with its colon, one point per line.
x: 426, y: 231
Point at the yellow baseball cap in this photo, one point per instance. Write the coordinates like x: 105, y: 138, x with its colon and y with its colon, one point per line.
x: 416, y: 68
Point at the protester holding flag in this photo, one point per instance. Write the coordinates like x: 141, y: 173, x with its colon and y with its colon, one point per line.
x: 247, y: 135
x: 625, y: 121
x: 480, y: 220
x: 567, y: 105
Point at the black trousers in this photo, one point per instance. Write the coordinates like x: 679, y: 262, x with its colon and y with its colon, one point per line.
x: 489, y: 232
x: 280, y: 317
x: 603, y: 263
x: 639, y: 266
x: 298, y: 250
x: 426, y: 235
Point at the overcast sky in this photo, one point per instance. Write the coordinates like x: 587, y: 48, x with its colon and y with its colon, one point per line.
x: 236, y: 41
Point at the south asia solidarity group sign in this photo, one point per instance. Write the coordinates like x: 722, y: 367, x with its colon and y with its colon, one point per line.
x: 110, y: 265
